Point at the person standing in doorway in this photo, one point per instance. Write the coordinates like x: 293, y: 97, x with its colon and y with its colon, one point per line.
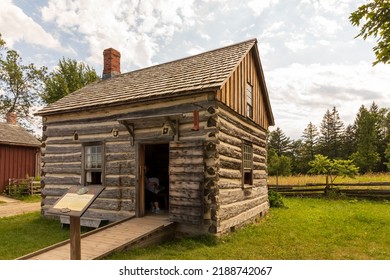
x: 152, y: 189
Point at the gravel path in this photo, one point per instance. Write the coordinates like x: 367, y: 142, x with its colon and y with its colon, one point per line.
x: 13, y: 207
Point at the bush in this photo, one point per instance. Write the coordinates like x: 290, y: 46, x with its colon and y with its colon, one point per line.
x: 18, y: 188
x: 275, y: 199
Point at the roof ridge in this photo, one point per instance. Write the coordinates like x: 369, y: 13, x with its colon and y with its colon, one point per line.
x: 190, y: 56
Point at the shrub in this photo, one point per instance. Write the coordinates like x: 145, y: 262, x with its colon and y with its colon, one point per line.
x: 275, y: 199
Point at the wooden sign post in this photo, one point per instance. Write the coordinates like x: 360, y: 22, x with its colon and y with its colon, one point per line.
x: 73, y: 204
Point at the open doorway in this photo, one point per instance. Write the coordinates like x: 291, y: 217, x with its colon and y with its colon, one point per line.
x: 157, y: 161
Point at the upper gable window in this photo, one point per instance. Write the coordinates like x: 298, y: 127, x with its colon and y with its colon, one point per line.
x: 249, y: 100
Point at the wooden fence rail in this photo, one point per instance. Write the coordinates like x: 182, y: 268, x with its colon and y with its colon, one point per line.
x: 23, y: 187
x: 369, y: 190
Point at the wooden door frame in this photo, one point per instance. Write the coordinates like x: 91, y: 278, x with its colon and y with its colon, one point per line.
x: 140, y: 179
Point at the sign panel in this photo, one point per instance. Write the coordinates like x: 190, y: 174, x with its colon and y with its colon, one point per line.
x: 76, y: 200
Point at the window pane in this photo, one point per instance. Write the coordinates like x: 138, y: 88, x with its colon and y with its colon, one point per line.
x: 93, y: 157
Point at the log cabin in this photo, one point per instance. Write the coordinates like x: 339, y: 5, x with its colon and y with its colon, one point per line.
x: 200, y: 123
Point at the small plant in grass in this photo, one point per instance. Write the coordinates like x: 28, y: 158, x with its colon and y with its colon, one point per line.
x: 275, y: 199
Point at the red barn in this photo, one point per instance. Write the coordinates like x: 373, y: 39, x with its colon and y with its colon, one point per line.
x: 19, y: 152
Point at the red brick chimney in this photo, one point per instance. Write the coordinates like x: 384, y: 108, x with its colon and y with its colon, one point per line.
x: 112, y: 63
x: 11, y: 117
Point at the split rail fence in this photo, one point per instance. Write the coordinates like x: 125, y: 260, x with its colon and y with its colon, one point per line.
x: 23, y: 187
x: 369, y: 190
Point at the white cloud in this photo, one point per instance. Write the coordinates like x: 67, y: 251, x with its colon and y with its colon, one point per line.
x: 296, y: 43
x: 258, y: 6
x: 320, y: 26
x: 134, y: 28
x: 195, y: 50
x: 17, y: 26
x: 276, y: 29
x: 307, y: 91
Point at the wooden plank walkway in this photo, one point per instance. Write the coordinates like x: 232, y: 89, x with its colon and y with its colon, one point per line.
x: 113, y: 237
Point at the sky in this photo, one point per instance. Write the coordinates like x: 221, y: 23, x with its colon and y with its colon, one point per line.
x: 310, y: 56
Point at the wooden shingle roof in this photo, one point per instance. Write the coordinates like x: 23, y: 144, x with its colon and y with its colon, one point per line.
x: 11, y: 134
x: 205, y: 71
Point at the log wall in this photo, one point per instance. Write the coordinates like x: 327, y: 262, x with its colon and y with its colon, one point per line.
x: 62, y: 154
x: 206, y: 192
x: 234, y: 203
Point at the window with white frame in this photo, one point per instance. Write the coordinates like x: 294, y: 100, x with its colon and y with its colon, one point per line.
x: 93, y: 164
x: 247, y: 163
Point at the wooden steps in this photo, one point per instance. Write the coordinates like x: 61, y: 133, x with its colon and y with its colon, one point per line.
x: 118, y: 236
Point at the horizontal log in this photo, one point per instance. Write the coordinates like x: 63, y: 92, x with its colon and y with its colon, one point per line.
x: 179, y: 201
x: 229, y: 196
x: 186, y: 194
x: 124, y: 180
x: 230, y: 151
x: 231, y: 210
x: 230, y: 173
x: 70, y: 168
x: 76, y: 157
x: 61, y: 180
x: 243, y: 218
x: 196, y: 160
x: 62, y: 149
x: 188, y: 169
x: 241, y: 123
x: 182, y: 185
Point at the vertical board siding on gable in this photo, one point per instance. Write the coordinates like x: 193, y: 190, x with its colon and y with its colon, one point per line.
x: 233, y: 92
x: 237, y: 204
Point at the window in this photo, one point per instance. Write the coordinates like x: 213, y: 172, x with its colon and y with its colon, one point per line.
x: 249, y: 100
x: 247, y: 163
x: 93, y: 162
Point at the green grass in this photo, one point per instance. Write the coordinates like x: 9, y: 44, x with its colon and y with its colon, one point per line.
x: 23, y: 234
x: 308, y: 229
x: 31, y: 198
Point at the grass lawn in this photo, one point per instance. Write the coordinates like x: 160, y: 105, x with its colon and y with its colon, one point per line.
x: 23, y: 234
x: 309, y: 229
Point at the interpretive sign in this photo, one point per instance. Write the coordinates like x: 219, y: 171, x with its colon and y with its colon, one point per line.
x: 73, y: 204
x: 76, y: 201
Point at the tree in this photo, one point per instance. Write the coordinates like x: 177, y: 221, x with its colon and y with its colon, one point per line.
x: 366, y: 155
x: 298, y: 157
x: 374, y: 18
x: 332, y: 168
x: 310, y: 140
x: 20, y: 84
x: 67, y: 78
x: 279, y: 141
x: 278, y: 165
x: 387, y: 156
x: 331, y: 138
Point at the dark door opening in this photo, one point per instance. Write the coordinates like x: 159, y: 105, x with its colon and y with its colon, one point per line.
x: 157, y: 161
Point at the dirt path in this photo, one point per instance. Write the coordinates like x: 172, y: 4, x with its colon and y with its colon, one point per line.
x: 13, y: 207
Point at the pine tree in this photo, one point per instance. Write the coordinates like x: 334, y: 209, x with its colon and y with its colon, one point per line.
x: 279, y: 142
x: 331, y: 138
x: 366, y: 155
x: 310, y: 140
